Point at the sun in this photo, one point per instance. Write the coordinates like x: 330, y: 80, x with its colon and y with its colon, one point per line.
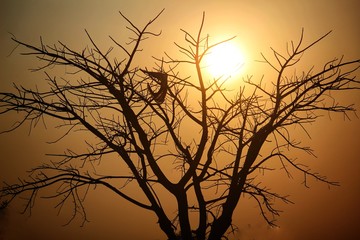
x: 224, y: 60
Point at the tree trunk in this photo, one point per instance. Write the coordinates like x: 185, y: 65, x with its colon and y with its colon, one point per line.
x: 184, y: 216
x: 219, y: 227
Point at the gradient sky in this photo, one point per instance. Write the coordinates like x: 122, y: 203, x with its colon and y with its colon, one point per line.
x: 318, y: 213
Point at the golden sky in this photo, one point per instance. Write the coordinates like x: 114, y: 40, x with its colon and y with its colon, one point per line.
x: 318, y: 213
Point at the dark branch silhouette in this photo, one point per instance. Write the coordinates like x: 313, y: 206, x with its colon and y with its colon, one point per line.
x: 213, y: 140
x: 161, y: 78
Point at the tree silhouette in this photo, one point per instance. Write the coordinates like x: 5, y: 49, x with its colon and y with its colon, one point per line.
x: 146, y: 120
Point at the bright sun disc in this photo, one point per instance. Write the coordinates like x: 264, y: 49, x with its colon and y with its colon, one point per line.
x: 224, y: 60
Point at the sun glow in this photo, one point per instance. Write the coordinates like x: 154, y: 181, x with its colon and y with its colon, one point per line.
x: 224, y: 60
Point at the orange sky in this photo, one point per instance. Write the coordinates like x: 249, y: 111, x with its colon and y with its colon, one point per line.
x: 318, y: 213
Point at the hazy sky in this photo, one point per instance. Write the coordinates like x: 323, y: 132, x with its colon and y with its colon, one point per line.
x: 318, y: 213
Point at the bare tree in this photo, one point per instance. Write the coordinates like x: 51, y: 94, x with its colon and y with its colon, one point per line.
x: 141, y: 117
